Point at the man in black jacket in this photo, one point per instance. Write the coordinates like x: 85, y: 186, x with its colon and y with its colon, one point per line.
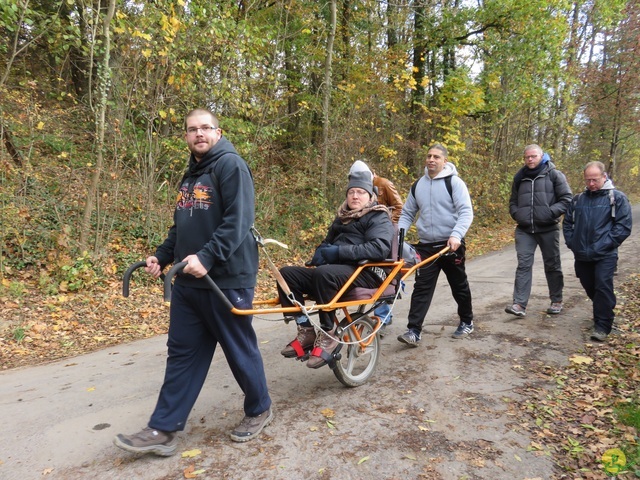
x: 540, y: 195
x: 597, y: 222
x: 212, y: 233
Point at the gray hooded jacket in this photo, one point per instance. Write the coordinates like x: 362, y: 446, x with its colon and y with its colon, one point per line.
x: 437, y: 214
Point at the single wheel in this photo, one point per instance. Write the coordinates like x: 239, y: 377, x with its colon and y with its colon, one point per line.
x: 358, y: 362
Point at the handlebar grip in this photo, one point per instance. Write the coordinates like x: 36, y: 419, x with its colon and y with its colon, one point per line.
x: 127, y: 276
x: 179, y: 266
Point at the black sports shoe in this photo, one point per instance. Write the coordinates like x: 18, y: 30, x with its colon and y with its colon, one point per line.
x: 463, y: 330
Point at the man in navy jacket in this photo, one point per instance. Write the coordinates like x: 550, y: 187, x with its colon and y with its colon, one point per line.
x: 597, y: 222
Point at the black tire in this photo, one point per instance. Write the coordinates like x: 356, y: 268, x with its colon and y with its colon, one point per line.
x: 356, y: 366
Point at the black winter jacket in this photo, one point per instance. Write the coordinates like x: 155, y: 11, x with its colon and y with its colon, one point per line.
x: 537, y: 204
x: 213, y: 218
x: 366, y: 238
x: 590, y: 230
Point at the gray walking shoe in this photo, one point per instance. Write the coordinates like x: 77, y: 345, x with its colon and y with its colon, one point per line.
x: 516, y: 309
x: 599, y: 336
x: 148, y: 440
x: 250, y: 427
x: 410, y: 338
x: 555, y: 308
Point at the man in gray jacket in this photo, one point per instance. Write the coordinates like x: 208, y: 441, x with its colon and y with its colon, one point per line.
x: 440, y: 204
x: 540, y: 195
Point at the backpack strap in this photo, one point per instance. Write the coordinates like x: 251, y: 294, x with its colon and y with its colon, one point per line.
x: 447, y: 183
x: 612, y: 202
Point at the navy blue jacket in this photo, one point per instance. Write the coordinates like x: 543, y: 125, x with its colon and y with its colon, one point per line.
x: 590, y: 230
x: 214, y: 214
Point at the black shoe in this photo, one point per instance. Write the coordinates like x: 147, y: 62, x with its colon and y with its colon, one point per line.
x: 599, y: 336
x: 464, y: 329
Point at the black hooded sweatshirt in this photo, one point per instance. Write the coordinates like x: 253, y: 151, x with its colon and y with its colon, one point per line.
x: 214, y: 214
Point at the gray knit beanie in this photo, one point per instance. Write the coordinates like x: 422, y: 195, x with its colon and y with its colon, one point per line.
x: 361, y: 177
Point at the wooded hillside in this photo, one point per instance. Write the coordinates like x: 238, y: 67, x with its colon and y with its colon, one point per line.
x: 93, y: 95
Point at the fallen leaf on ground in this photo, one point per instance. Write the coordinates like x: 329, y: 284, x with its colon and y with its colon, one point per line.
x: 191, y: 453
x: 580, y: 360
x: 328, y: 413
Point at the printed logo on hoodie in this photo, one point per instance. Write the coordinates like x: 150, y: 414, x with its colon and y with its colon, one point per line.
x: 199, y: 198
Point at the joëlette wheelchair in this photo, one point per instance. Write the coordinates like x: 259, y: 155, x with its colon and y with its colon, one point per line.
x: 355, y: 359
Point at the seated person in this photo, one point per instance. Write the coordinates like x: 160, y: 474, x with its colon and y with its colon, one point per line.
x: 362, y: 230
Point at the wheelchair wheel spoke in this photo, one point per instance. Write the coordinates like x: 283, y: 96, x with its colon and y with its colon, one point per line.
x: 358, y: 362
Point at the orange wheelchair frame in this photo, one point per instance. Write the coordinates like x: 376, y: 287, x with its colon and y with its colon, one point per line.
x: 358, y: 331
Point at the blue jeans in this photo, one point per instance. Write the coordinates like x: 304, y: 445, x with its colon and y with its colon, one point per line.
x: 384, y: 312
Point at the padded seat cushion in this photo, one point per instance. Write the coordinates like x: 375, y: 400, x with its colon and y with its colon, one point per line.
x: 360, y: 293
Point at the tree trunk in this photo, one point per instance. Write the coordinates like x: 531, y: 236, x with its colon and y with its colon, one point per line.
x: 326, y: 101
x: 12, y: 150
x: 103, y: 93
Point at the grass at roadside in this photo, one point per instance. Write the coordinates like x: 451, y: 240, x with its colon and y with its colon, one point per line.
x: 590, y: 424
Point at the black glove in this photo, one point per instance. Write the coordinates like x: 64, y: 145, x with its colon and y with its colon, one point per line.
x: 330, y: 253
x: 317, y: 259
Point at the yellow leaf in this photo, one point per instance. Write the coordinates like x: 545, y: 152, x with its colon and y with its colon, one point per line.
x: 614, y: 461
x: 517, y: 457
x: 91, y: 389
x: 313, y: 429
x: 362, y: 460
x: 424, y: 429
x: 328, y: 413
x: 410, y: 457
x: 40, y: 125
x: 191, y: 453
x: 580, y: 360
